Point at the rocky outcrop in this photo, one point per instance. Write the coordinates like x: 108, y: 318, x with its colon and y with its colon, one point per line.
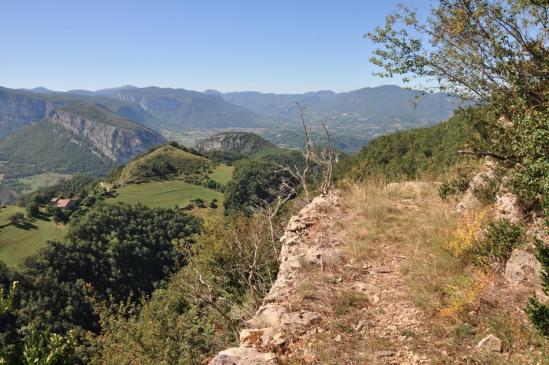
x: 117, y: 143
x: 490, y: 343
x: 469, y: 201
x: 245, y: 143
x: 276, y: 321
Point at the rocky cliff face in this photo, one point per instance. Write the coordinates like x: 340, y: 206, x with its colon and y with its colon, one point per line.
x: 20, y: 109
x: 246, y: 143
x: 116, y: 143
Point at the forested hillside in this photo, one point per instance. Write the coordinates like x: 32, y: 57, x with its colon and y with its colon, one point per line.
x: 409, y: 154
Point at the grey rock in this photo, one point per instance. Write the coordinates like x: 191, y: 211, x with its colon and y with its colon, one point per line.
x: 244, y: 356
x: 490, y: 343
x: 523, y: 268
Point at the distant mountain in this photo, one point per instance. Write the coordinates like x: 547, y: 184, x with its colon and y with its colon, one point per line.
x: 84, y: 138
x: 376, y: 105
x: 245, y: 143
x: 180, y: 109
x: 40, y: 90
x: 19, y: 108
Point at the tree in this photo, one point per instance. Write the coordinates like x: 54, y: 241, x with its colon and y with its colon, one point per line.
x: 47, y: 348
x: 253, y: 183
x: 33, y: 209
x: 17, y: 219
x: 495, y: 53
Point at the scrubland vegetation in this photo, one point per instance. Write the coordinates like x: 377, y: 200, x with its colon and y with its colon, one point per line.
x: 135, y: 284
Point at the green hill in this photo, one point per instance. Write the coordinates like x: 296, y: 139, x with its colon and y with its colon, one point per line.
x: 166, y: 162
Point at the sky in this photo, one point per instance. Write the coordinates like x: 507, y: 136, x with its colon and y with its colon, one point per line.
x: 282, y: 46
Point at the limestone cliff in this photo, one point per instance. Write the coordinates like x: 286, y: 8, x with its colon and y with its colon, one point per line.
x: 245, y: 143
x: 119, y: 141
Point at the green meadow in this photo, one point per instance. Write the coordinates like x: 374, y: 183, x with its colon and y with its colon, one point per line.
x: 165, y: 194
x: 17, y: 243
x: 222, y: 174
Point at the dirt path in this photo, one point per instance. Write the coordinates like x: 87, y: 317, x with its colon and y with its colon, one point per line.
x: 356, y: 272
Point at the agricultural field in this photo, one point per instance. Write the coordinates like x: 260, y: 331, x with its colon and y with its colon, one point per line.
x: 17, y: 243
x: 35, y: 182
x: 166, y: 194
x: 222, y: 174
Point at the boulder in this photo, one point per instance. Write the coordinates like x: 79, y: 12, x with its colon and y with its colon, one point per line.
x: 244, y: 356
x: 269, y: 315
x: 523, y: 268
x: 490, y: 343
x: 298, y: 320
x: 507, y: 207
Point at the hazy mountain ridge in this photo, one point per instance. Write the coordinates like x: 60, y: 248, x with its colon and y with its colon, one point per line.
x: 377, y: 104
x: 179, y: 109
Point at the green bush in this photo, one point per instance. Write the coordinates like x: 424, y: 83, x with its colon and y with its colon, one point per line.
x: 537, y: 311
x: 454, y: 186
x: 487, y: 191
x: 500, y: 239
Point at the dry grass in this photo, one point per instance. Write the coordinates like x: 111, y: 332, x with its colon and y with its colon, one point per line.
x: 410, y: 220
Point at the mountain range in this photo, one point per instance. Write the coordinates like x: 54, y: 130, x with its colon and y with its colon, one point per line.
x: 90, y: 131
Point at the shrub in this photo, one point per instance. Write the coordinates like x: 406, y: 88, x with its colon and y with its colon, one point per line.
x: 500, y: 239
x: 537, y: 311
x: 454, y: 186
x: 17, y: 219
x: 487, y: 191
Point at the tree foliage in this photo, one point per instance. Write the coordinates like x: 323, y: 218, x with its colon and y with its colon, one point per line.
x: 255, y: 182
x: 113, y: 254
x: 197, y: 314
x: 411, y: 153
x: 494, y: 52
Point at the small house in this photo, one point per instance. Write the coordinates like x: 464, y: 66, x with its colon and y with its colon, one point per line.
x: 66, y: 203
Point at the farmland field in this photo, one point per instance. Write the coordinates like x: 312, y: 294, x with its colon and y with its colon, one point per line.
x: 164, y: 194
x: 18, y: 243
x: 222, y: 174
x: 43, y: 180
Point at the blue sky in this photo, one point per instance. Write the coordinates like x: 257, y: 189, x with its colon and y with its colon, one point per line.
x: 275, y: 46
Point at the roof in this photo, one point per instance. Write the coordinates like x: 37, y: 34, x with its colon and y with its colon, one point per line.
x: 63, y: 203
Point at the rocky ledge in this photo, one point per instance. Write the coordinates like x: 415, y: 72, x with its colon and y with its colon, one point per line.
x: 277, y: 321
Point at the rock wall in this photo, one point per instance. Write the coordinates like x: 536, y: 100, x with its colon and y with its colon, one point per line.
x: 117, y: 144
x: 245, y: 143
x: 276, y: 321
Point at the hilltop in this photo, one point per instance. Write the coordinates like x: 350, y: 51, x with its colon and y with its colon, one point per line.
x: 165, y: 162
